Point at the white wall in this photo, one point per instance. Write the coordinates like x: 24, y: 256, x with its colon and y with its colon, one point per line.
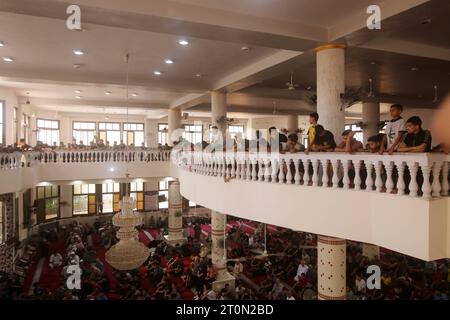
x: 11, y: 101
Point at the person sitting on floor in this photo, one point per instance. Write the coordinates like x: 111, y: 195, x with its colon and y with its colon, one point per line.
x: 55, y: 260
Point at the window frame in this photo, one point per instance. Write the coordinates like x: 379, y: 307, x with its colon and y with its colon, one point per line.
x: 3, y: 122
x: 106, y: 131
x: 125, y: 132
x: 163, y: 134
x: 83, y: 130
x: 115, y: 197
x: 45, y: 198
x: 38, y: 128
x: 89, y: 194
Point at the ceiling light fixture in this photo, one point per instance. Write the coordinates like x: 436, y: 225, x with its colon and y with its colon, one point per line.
x: 198, y: 75
x: 2, y: 44
x: 414, y: 69
x: 77, y: 91
x: 183, y: 42
x: 78, y: 52
x: 134, y: 95
x: 108, y: 93
x: 157, y: 73
x: 426, y: 21
x: 8, y: 59
x: 308, y: 88
x: 168, y: 61
x: 78, y: 97
x: 245, y: 49
x: 77, y: 66
x: 373, y: 63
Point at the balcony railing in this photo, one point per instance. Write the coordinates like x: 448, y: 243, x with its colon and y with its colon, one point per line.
x: 417, y: 175
x: 17, y: 160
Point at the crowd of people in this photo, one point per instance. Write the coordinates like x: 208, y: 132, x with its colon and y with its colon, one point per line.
x: 287, y: 271
x: 95, y: 144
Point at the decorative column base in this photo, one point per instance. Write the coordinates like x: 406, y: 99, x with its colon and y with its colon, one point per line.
x: 174, y: 239
x: 331, y: 268
x: 223, y: 277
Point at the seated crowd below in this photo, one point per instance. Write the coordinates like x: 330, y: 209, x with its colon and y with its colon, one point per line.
x: 287, y: 272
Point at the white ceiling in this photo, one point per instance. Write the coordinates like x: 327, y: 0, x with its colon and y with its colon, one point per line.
x: 321, y: 13
x: 279, y: 33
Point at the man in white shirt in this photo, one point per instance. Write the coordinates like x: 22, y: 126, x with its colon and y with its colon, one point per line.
x: 302, y: 269
x: 238, y: 269
x: 394, y: 130
x: 55, y: 260
x: 360, y: 284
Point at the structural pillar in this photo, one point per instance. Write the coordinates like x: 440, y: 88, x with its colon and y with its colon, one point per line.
x: 175, y: 214
x: 218, y: 252
x: 371, y: 251
x: 219, y: 110
x: 370, y: 118
x: 331, y: 268
x: 174, y: 124
x: 330, y: 86
x: 292, y: 123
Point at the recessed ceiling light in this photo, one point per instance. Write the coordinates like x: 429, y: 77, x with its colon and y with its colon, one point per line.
x: 198, y: 75
x: 134, y: 95
x: 78, y: 52
x: 373, y: 63
x: 414, y: 69
x: 308, y: 88
x: 168, y: 61
x: 77, y: 91
x: 157, y: 73
x: 8, y: 59
x: 426, y: 21
x: 108, y: 93
x: 245, y: 49
x: 78, y: 97
x: 77, y: 66
x: 2, y: 44
x: 183, y: 42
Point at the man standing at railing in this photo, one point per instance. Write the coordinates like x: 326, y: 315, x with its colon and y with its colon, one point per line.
x: 395, y: 129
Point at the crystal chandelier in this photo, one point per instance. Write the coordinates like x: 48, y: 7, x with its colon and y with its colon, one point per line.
x: 128, y: 253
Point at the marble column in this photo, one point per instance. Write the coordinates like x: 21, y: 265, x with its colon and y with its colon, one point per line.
x: 219, y: 110
x: 330, y: 86
x: 292, y: 123
x: 175, y: 235
x: 174, y: 124
x: 371, y: 118
x: 371, y: 251
x: 331, y: 268
x: 218, y: 252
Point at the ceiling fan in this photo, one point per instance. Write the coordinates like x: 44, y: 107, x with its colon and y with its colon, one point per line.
x: 291, y: 85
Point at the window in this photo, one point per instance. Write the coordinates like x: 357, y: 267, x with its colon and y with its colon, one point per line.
x: 26, y: 129
x: 193, y: 133
x: 357, y: 129
x: 137, y: 193
x: 233, y: 130
x: 1, y: 221
x: 16, y: 138
x: 163, y: 195
x: 48, y: 197
x: 110, y: 197
x: 163, y: 133
x: 48, y: 131
x: 83, y: 131
x: 2, y: 122
x: 133, y: 133
x: 109, y: 131
x: 84, y: 199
